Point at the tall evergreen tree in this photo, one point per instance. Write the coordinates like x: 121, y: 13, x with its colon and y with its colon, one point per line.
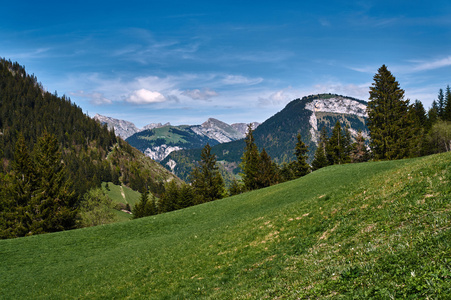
x: 250, y: 162
x: 169, y: 199
x: 53, y: 207
x: 320, y: 159
x: 338, y: 146
x: 267, y: 173
x: 300, y: 166
x: 389, y: 121
x: 447, y: 107
x: 432, y: 115
x: 17, y: 190
x: 187, y: 196
x: 440, y: 104
x: 206, y: 179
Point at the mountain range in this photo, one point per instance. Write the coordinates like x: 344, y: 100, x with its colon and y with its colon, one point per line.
x: 158, y: 140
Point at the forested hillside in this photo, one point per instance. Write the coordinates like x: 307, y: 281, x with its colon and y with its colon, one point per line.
x: 42, y: 133
x: 278, y: 134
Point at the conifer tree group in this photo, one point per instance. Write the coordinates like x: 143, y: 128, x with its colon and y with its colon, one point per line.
x: 258, y: 170
x: 36, y: 195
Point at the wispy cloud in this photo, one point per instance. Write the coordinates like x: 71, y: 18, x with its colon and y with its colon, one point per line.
x: 196, y: 94
x: 239, y: 79
x: 95, y: 98
x: 432, y: 65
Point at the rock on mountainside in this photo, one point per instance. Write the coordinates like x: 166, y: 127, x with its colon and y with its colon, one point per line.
x: 218, y: 130
x: 242, y: 127
x: 277, y: 135
x: 334, y: 105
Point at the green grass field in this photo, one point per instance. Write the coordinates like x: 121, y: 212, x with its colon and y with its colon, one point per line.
x: 373, y: 230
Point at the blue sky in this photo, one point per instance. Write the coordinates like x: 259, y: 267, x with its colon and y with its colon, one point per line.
x: 237, y: 61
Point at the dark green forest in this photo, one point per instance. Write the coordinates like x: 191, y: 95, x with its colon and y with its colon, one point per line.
x: 51, y: 134
x: 25, y: 108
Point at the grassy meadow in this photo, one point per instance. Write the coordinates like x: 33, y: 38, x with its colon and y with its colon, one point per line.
x: 372, y: 230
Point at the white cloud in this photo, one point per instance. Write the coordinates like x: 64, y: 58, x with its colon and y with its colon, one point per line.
x: 144, y: 96
x: 196, y: 94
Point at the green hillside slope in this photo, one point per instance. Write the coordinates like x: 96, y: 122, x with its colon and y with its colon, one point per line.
x: 373, y: 230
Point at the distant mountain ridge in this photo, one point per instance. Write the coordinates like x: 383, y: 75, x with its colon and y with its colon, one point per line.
x: 277, y: 135
x: 122, y: 128
x: 158, y: 140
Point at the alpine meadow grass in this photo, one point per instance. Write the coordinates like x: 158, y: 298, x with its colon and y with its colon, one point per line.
x: 371, y: 230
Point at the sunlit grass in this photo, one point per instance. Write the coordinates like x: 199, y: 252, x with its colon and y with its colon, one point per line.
x: 371, y: 230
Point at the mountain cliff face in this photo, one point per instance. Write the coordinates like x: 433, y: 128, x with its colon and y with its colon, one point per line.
x: 122, y: 128
x: 277, y: 135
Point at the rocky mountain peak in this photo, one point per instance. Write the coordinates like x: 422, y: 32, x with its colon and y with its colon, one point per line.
x: 122, y: 128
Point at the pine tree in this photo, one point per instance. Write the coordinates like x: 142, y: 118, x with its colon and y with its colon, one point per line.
x: 186, y: 196
x: 236, y: 187
x: 250, y: 162
x: 53, y: 207
x: 145, y: 207
x: 300, y: 166
x: 320, y: 160
x: 389, y: 121
x: 170, y: 198
x: 337, y: 147
x: 206, y: 179
x: 347, y: 145
x: 447, y: 105
x: 440, y: 104
x: 17, y: 190
x: 267, y: 173
x: 432, y: 115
